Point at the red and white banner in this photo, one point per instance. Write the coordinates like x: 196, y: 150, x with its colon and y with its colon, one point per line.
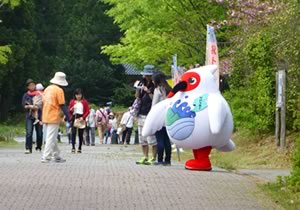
x: 212, y: 57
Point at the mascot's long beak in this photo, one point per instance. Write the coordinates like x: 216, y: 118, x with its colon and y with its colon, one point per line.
x: 180, y: 86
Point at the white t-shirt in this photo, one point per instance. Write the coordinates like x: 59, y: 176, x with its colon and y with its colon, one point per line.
x: 127, y: 120
x: 114, y: 124
x: 158, y: 95
x: 78, y: 108
x: 91, y: 118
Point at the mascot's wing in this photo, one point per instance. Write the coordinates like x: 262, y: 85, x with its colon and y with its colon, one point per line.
x: 156, y: 118
x: 216, y: 112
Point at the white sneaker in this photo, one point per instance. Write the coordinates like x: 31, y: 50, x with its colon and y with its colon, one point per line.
x: 28, y: 151
x: 44, y: 160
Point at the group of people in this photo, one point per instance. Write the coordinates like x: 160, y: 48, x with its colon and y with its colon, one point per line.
x: 44, y: 110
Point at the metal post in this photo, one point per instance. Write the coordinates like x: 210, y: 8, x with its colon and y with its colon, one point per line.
x: 280, y: 130
x: 283, y: 110
x: 277, y: 128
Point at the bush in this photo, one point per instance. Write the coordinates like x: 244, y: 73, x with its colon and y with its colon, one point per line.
x: 252, y: 85
x: 294, y: 179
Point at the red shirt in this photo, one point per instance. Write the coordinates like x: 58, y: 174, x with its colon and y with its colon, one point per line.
x: 86, y: 108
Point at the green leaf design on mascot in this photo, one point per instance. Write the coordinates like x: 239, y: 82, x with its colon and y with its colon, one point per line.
x: 196, y: 116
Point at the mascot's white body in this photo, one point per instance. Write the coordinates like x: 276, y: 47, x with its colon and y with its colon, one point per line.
x: 196, y: 117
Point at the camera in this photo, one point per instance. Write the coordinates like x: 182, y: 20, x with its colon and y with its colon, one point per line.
x: 139, y: 84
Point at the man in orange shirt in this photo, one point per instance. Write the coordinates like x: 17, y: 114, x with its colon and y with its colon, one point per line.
x: 53, y: 103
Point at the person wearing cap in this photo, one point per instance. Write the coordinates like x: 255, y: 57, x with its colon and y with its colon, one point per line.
x: 53, y: 103
x: 146, y: 96
x: 27, y: 103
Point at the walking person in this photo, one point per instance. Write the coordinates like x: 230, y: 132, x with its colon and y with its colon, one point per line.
x: 114, y: 130
x: 102, y: 119
x: 79, y: 110
x: 162, y: 88
x: 91, y: 128
x: 146, y: 96
x: 127, y: 125
x: 109, y: 128
x: 27, y: 103
x: 53, y: 103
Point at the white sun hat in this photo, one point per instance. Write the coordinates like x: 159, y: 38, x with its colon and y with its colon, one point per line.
x: 59, y: 79
x: 39, y: 87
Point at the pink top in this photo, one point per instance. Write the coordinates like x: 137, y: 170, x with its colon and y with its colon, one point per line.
x: 101, y: 116
x: 35, y: 93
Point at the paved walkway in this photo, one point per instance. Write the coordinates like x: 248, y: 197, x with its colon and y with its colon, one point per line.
x: 106, y: 177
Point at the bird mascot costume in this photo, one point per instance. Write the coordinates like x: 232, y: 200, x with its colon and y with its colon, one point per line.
x: 196, y: 116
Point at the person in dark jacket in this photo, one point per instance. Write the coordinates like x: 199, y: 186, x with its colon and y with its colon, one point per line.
x: 27, y: 104
x: 146, y: 96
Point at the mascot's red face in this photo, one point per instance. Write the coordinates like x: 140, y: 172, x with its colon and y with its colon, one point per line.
x: 189, y: 81
x: 192, y: 80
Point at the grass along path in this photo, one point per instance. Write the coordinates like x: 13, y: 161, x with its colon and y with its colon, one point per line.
x: 251, y: 153
x: 8, y: 132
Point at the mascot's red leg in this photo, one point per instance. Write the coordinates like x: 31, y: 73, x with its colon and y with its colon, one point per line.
x: 201, y: 162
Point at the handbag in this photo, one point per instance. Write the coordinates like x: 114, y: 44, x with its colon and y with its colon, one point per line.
x: 79, y: 123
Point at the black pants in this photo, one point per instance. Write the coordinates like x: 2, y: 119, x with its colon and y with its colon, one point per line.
x: 163, y: 145
x: 29, y: 131
x: 126, y: 135
x: 114, y: 137
x: 80, y: 135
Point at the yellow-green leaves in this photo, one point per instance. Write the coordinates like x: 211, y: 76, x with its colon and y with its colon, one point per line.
x: 11, y: 3
x: 4, y: 53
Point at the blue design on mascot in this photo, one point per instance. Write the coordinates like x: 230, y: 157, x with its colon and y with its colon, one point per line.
x: 180, y: 120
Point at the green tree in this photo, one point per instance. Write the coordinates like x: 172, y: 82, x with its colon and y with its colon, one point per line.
x: 17, y: 31
x: 11, y: 3
x: 257, y: 52
x: 62, y: 35
x: 78, y: 52
x: 155, y: 30
x: 5, y: 51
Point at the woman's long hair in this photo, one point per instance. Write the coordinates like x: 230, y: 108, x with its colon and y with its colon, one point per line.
x: 159, y: 80
x: 77, y: 92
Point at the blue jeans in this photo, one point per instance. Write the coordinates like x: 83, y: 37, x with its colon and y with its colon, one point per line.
x: 90, y: 139
x: 163, y: 145
x: 29, y: 131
